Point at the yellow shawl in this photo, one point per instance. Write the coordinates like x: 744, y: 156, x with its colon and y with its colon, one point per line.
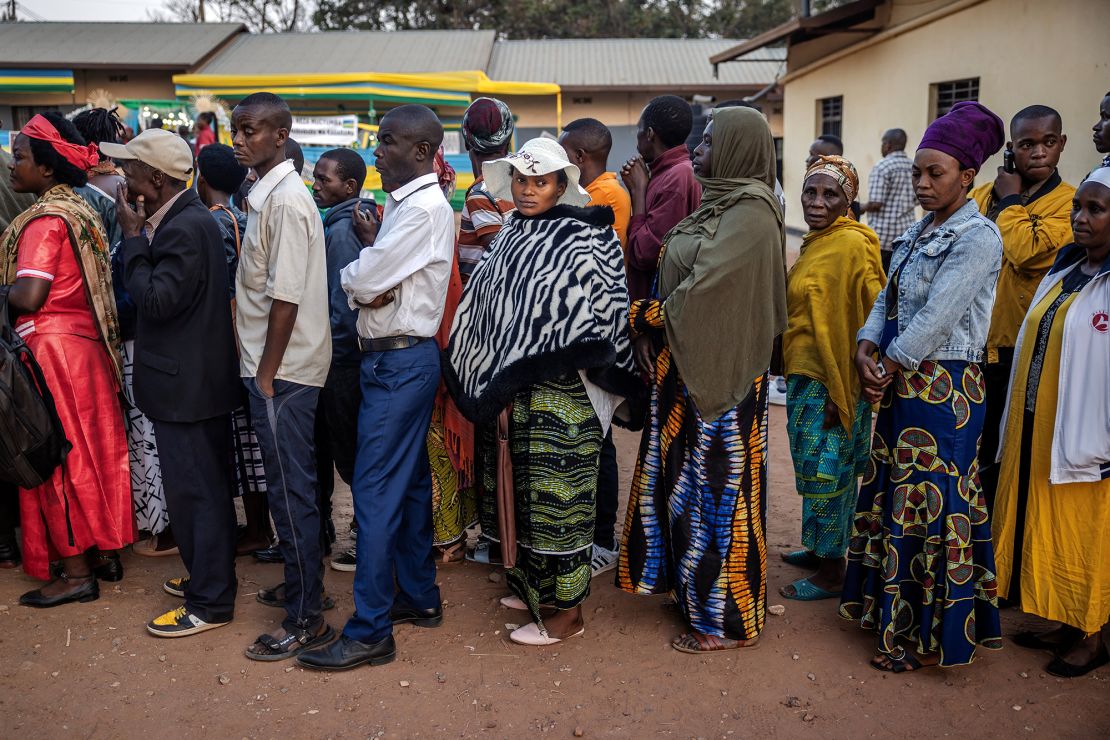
x: 829, y: 292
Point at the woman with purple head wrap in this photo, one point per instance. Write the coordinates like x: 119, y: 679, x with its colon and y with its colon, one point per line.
x: 921, y: 568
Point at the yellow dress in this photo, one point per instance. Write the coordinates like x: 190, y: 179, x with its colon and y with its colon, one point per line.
x: 1065, y: 545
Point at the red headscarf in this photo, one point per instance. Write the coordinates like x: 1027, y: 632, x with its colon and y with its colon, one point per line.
x: 445, y: 173
x: 82, y: 157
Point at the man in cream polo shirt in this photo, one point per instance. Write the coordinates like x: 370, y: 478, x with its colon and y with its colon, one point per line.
x: 285, y: 349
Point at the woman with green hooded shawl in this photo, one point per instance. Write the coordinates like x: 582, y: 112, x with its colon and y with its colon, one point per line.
x: 697, y: 510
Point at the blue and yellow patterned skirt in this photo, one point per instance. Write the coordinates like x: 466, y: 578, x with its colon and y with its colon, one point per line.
x: 920, y: 560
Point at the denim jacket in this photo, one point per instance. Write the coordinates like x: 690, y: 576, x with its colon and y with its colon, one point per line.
x: 946, y: 290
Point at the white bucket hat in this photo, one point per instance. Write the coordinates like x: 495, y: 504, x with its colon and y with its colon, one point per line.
x: 535, y: 157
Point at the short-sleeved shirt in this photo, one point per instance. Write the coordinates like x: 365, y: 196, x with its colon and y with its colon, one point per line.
x: 891, y: 184
x: 283, y: 258
x: 606, y: 190
x: 482, y: 216
x: 46, y: 253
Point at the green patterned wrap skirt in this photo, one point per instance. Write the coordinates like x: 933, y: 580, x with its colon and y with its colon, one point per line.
x: 827, y: 463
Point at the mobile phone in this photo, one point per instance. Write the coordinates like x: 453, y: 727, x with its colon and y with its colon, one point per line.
x: 1008, y: 160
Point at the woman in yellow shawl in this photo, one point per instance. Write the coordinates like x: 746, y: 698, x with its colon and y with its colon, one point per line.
x: 829, y: 292
x: 697, y: 510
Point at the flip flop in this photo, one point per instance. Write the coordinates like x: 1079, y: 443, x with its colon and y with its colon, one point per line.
x: 711, y: 643
x: 804, y: 590
x: 481, y: 554
x: 149, y: 549
x: 455, y: 553
x: 801, y: 559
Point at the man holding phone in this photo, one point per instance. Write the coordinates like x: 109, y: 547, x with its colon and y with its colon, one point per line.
x: 1032, y: 207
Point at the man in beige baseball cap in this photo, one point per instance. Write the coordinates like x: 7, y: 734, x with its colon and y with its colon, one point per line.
x: 186, y: 371
x: 158, y: 149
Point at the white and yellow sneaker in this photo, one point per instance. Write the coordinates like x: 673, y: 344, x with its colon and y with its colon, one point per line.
x: 180, y: 622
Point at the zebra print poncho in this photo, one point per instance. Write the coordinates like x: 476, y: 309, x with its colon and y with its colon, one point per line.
x: 549, y: 298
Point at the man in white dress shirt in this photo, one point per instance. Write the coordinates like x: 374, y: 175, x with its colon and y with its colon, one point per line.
x: 399, y: 284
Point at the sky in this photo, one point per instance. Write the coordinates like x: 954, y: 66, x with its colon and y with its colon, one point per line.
x: 86, y: 10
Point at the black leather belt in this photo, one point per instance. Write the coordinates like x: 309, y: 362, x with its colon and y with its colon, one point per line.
x: 386, y: 344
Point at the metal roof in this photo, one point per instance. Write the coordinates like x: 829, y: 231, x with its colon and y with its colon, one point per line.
x: 355, y: 51
x: 176, y: 46
x: 804, y: 28
x: 632, y: 63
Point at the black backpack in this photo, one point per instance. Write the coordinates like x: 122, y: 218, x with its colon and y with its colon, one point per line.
x: 32, y: 441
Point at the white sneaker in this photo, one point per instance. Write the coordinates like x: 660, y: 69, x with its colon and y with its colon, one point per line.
x: 603, y: 560
x: 776, y: 391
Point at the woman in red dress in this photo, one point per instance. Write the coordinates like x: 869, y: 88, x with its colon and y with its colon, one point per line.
x: 57, y: 255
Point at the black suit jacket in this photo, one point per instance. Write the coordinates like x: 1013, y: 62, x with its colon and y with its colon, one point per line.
x: 186, y: 367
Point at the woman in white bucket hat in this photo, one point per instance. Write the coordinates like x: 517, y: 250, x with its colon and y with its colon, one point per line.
x: 541, y: 333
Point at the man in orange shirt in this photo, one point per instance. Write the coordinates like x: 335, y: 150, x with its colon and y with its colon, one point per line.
x: 587, y: 142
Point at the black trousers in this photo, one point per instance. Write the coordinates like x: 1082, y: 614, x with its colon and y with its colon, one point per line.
x: 607, y: 484
x: 196, y: 459
x: 997, y: 378
x: 9, y: 513
x: 340, y: 399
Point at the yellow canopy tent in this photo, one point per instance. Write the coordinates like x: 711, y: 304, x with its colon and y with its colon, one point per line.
x: 436, y: 89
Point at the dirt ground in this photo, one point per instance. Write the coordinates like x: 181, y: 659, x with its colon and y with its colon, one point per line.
x: 91, y: 670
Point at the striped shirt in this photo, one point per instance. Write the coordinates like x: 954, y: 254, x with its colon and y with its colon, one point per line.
x: 482, y: 216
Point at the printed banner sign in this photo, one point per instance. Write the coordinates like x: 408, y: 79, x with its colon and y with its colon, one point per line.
x: 325, y: 131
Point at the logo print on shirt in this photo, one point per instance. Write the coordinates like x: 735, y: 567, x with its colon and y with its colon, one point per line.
x: 1100, y: 322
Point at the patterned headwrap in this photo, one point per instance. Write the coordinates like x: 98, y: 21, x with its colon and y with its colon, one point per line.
x: 487, y: 126
x: 839, y: 169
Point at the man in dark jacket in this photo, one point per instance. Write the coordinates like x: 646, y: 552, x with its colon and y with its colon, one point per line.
x: 337, y: 180
x: 186, y: 369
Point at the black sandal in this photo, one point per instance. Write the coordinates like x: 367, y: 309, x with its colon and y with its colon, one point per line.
x: 904, y: 663
x: 289, y: 646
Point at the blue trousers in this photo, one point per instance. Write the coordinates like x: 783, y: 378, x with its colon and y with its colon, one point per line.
x: 285, y: 426
x: 392, y: 489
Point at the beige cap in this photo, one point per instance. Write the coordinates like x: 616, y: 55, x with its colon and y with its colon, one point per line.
x: 158, y: 148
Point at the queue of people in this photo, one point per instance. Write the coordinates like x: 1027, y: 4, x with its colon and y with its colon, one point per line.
x: 472, y: 377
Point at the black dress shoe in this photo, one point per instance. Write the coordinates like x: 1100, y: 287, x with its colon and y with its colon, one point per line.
x: 420, y: 617
x: 108, y: 567
x: 9, y: 555
x: 88, y: 591
x: 346, y: 653
x: 269, y: 555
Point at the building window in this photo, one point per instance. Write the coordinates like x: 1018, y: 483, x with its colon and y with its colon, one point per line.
x: 582, y: 101
x: 947, y: 94
x: 830, y: 115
